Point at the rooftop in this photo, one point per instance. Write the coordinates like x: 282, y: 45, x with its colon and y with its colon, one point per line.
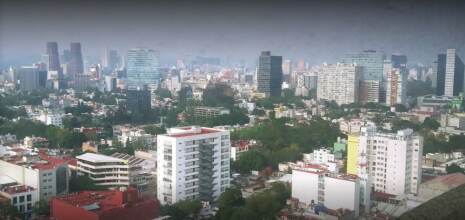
x: 445, y: 182
x: 98, y: 158
x: 101, y: 201
x: 16, y: 189
x: 190, y: 131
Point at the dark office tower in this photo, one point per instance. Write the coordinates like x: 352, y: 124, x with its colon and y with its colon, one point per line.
x: 138, y: 103
x: 76, y: 65
x: 440, y: 74
x: 53, y: 58
x: 28, y: 78
x: 269, y: 74
x: 399, y: 61
x: 42, y: 78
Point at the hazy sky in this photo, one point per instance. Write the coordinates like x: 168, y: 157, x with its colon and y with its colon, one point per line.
x: 318, y: 31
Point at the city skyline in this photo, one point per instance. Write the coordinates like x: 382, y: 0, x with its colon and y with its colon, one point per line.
x: 234, y: 31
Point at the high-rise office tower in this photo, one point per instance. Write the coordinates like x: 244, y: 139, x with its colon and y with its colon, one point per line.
x: 110, y: 59
x: 339, y: 83
x: 28, y: 78
x: 399, y: 61
x: 440, y: 74
x: 66, y: 56
x: 287, y: 70
x: 138, y: 102
x: 53, y: 63
x: 371, y: 61
x: 396, y: 88
x: 453, y: 84
x: 193, y: 163
x: 76, y: 64
x: 389, y: 162
x: 142, y: 69
x: 269, y: 74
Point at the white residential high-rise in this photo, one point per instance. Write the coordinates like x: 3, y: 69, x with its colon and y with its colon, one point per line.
x: 396, y: 89
x: 193, y: 163
x: 390, y: 162
x: 339, y: 83
x: 454, y: 77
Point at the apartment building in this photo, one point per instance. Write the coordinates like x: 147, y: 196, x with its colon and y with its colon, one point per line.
x: 104, y: 170
x: 339, y: 83
x: 193, y: 163
x: 389, y: 162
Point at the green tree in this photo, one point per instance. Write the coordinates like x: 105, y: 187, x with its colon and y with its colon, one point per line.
x: 250, y: 160
x: 228, y: 202
x: 82, y: 182
x: 454, y: 168
x: 8, y: 211
x: 41, y: 208
x: 430, y: 123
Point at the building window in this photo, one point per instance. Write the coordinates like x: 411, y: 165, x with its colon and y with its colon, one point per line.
x: 15, y: 200
x: 21, y: 199
x: 29, y: 198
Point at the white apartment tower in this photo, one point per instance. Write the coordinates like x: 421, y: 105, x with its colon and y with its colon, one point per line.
x: 339, y: 83
x: 390, y: 162
x: 396, y: 89
x: 193, y: 163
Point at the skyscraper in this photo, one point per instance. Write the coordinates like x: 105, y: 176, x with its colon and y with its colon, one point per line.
x: 54, y: 58
x: 76, y: 64
x: 454, y: 74
x: 287, y: 70
x: 396, y: 89
x: 371, y: 61
x: 138, y: 102
x: 110, y: 59
x: 440, y: 74
x: 28, y: 78
x: 399, y: 61
x: 339, y: 83
x: 142, y: 69
x: 269, y: 74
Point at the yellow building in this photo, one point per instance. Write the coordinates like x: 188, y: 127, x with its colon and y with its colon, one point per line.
x: 352, y: 154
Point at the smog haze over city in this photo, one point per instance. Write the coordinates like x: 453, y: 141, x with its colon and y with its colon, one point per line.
x: 318, y: 31
x: 232, y: 110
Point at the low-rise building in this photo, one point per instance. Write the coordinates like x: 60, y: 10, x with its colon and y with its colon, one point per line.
x: 48, y: 174
x: 22, y: 197
x: 206, y: 112
x: 314, y: 185
x: 104, y: 205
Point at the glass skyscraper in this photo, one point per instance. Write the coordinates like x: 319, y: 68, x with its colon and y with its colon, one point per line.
x: 371, y: 61
x: 142, y: 69
x: 269, y: 74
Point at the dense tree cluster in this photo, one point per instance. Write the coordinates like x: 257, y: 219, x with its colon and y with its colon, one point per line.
x: 288, y: 98
x: 56, y: 136
x: 183, y: 210
x: 262, y: 205
x: 281, y: 142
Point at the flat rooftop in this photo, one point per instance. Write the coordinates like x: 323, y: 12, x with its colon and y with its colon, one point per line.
x: 96, y: 158
x: 190, y: 131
